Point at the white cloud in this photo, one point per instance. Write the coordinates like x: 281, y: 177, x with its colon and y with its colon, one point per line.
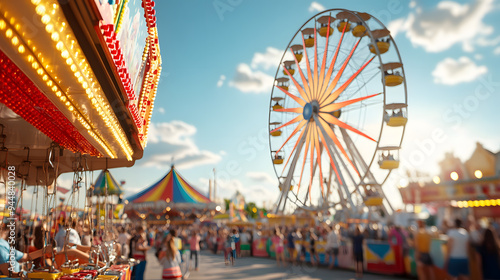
x: 221, y: 80
x: 396, y: 26
x: 497, y: 51
x: 316, y: 7
x: 161, y: 110
x: 174, y: 140
x: 270, y: 59
x: 262, y: 177
x: 249, y: 81
x: 452, y: 72
x: 448, y: 24
x: 478, y: 56
x: 413, y: 4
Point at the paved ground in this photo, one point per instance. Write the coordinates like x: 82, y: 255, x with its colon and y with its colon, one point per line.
x: 212, y: 268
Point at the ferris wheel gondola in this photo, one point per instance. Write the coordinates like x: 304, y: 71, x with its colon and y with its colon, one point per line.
x: 336, y: 119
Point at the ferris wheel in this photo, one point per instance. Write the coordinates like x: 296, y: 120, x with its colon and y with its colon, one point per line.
x: 338, y: 113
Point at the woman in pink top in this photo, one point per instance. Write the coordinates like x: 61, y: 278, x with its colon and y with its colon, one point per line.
x: 194, y: 246
x: 279, y: 247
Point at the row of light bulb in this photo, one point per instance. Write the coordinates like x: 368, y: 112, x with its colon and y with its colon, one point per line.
x: 71, y: 52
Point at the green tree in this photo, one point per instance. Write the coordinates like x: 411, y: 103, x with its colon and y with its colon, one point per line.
x: 251, y: 210
x: 226, y: 203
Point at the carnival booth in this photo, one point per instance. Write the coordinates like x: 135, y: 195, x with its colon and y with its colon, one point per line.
x: 79, y: 80
x: 461, y: 190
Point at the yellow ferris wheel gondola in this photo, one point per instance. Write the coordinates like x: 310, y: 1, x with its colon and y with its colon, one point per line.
x: 325, y: 25
x: 382, y: 41
x: 388, y: 157
x: 277, y: 103
x: 283, y: 83
x: 277, y: 157
x: 308, y: 35
x: 298, y: 51
x: 392, y: 74
x: 273, y: 131
x: 395, y: 114
x: 289, y: 66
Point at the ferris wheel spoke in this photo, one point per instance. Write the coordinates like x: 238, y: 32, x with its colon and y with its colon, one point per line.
x: 315, y: 81
x: 334, y: 138
x: 304, y: 92
x: 297, y: 110
x: 333, y: 84
x: 296, y: 98
x: 332, y: 163
x: 301, y: 124
x: 309, y: 73
x: 363, y: 85
x: 335, y: 106
x: 338, y: 91
x: 318, y: 159
x: 332, y: 64
x: 312, y: 166
x: 323, y: 63
x: 294, y: 147
x: 296, y: 119
x: 306, y: 150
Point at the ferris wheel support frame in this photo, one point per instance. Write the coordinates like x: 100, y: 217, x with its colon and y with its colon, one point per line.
x: 285, y: 186
x: 357, y: 155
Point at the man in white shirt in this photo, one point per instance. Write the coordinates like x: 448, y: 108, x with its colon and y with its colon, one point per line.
x: 73, y: 237
x: 457, y: 260
x: 332, y: 246
x: 123, y: 240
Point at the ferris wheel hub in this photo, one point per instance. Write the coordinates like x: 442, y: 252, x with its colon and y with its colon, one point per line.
x: 310, y: 109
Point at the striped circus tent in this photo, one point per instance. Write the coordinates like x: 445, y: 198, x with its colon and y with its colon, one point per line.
x: 106, y: 180
x: 170, y: 191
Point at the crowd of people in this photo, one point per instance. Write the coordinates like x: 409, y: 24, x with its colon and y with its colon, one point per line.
x: 471, y: 252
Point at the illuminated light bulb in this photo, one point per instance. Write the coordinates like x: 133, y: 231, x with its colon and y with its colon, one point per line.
x: 65, y: 54
x: 85, y: 85
x: 3, y: 24
x: 59, y: 45
x: 487, y: 202
x: 493, y: 202
x: 15, y: 40
x: 476, y: 203
x: 49, y: 28
x: 45, y: 19
x: 21, y: 49
x: 478, y: 174
x: 8, y: 33
x: 73, y: 68
x: 50, y: 83
x: 63, y: 98
x: 55, y: 36
x: 77, y: 74
x: 69, y: 61
x: 35, y: 2
x: 481, y: 203
x: 45, y: 78
x: 454, y: 176
x: 67, y: 103
x: 470, y: 203
x: 54, y: 88
x: 35, y: 65
x: 31, y: 58
x: 40, y: 9
x: 39, y: 71
x: 80, y: 79
x: 71, y: 108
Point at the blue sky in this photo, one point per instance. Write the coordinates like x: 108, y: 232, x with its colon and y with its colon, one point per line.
x: 211, y: 110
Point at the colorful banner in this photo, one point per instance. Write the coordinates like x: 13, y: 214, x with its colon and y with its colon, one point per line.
x: 259, y: 247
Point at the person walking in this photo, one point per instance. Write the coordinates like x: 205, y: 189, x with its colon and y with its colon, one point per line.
x: 425, y: 265
x: 457, y: 260
x: 194, y: 246
x: 170, y: 259
x: 332, y: 247
x: 279, y: 247
x: 357, y: 251
x: 489, y: 256
x: 139, y: 252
